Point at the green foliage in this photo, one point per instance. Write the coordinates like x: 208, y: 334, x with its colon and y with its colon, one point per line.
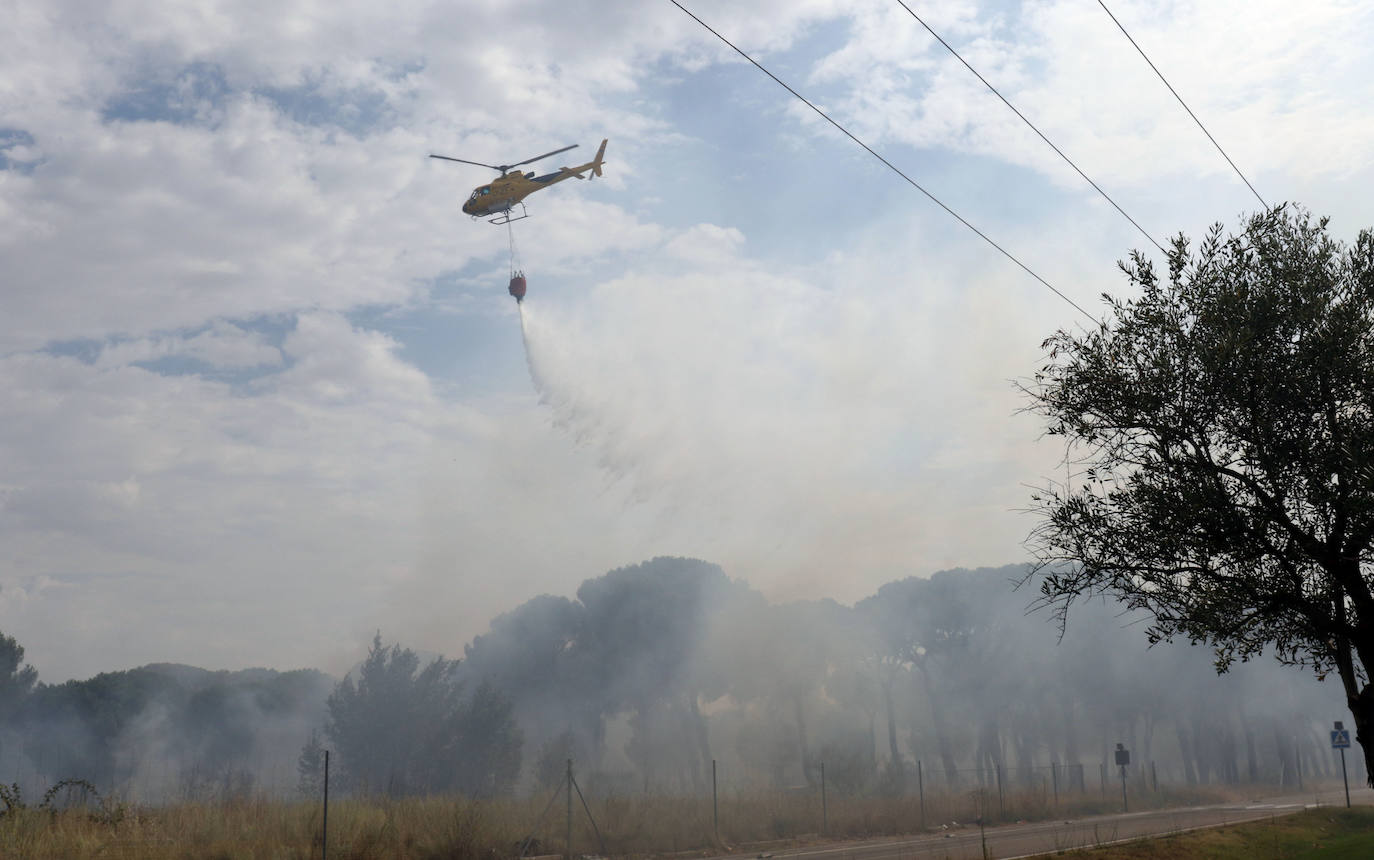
x: 17, y: 679
x: 310, y: 768
x: 12, y: 797
x: 1221, y: 426
x: 550, y: 767
x: 400, y: 729
x: 1226, y: 420
x: 486, y: 756
x: 70, y: 792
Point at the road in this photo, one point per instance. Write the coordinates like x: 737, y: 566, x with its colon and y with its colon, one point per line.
x: 1047, y: 837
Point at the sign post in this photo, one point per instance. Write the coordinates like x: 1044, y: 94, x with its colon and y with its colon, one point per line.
x: 1340, y: 740
x: 1123, y: 758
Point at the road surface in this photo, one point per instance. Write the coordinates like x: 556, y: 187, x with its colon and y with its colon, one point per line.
x: 1047, y: 837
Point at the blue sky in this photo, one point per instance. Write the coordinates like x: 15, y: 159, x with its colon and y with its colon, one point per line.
x: 265, y: 392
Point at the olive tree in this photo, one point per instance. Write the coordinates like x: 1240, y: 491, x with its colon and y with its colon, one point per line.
x: 1222, y: 426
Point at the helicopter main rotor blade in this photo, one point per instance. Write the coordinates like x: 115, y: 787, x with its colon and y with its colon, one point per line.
x: 465, y: 161
x: 537, y: 157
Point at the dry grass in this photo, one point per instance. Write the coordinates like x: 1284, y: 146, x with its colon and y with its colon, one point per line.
x: 460, y: 829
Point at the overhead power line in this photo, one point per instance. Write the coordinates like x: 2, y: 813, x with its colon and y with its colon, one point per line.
x: 890, y: 166
x: 1185, y: 104
x: 1031, y: 125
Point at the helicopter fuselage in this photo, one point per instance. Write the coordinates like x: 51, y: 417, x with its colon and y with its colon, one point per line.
x: 511, y: 188
x: 508, y: 190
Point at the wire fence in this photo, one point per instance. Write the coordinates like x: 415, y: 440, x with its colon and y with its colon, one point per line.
x: 730, y: 807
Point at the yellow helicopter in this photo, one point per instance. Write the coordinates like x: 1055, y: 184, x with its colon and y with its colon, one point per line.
x: 511, y: 188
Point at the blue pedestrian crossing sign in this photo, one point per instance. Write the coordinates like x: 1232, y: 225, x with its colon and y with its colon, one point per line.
x: 1340, y: 739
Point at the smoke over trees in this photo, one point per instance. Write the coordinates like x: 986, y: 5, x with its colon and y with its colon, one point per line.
x: 654, y: 671
x: 401, y: 729
x: 175, y: 731
x: 658, y: 668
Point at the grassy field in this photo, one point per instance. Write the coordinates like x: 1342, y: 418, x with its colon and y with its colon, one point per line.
x: 461, y: 829
x: 1316, y: 834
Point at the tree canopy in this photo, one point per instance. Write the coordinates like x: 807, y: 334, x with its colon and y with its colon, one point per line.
x: 17, y: 678
x: 1222, y: 428
x: 403, y: 729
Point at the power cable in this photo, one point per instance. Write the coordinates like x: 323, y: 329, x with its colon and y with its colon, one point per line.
x: 888, y: 164
x: 1185, y: 105
x: 1031, y: 125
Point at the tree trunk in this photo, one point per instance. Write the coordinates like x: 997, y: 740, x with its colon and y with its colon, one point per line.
x: 800, y: 716
x: 1362, y: 710
x: 1288, y: 773
x: 1251, y: 764
x: 1185, y: 749
x: 893, y: 752
x: 937, y: 720
x: 701, y: 758
x: 1071, y: 755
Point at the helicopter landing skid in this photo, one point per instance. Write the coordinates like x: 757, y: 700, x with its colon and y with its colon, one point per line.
x: 506, y: 217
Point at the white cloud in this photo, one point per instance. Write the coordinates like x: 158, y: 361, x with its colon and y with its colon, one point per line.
x: 1247, y: 69
x: 223, y: 346
x: 191, y: 176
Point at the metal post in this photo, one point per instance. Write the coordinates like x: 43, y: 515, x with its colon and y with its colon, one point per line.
x: 1054, y: 775
x: 568, y: 843
x: 715, y: 802
x: 1154, y: 778
x: 324, y: 828
x: 1124, y: 807
x: 1345, y: 779
x: 921, y: 787
x: 1102, y: 777
x: 825, y: 813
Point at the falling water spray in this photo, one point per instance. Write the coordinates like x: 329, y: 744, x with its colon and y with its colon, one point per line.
x: 529, y: 356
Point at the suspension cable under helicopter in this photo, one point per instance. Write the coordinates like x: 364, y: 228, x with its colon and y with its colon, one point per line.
x: 514, y: 254
x: 517, y: 274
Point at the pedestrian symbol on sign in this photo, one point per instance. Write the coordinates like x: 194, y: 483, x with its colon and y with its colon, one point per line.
x: 1340, y: 739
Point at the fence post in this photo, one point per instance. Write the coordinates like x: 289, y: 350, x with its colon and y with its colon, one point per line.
x: 1154, y: 779
x: 1102, y: 777
x: 568, y: 843
x: 921, y: 787
x: 1054, y: 775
